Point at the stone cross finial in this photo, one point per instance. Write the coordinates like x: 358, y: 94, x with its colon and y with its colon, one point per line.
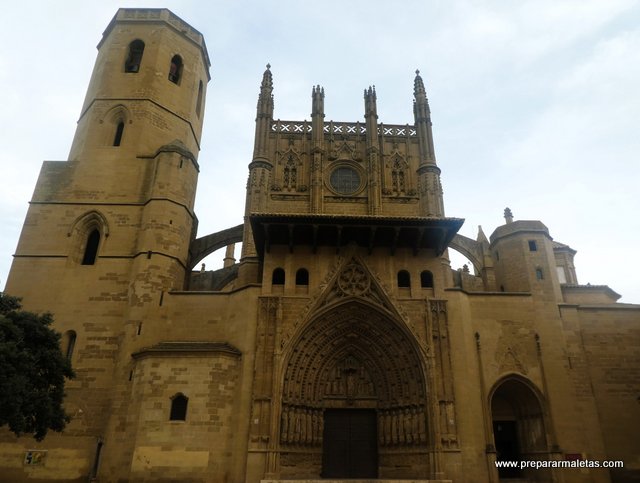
x: 508, y: 216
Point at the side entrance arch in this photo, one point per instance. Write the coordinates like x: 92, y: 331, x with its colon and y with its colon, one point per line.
x: 518, y: 427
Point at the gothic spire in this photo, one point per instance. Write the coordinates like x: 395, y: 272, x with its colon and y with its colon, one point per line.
x: 420, y: 103
x: 264, y: 115
x: 370, y: 107
x: 265, y: 99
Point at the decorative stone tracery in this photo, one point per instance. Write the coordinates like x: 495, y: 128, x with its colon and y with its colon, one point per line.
x: 354, y: 355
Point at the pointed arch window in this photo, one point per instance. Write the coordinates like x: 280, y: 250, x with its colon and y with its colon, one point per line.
x: 117, y: 139
x: 277, y: 278
x: 175, y: 69
x: 404, y: 279
x: 426, y: 279
x: 134, y: 56
x: 179, y: 404
x: 91, y: 248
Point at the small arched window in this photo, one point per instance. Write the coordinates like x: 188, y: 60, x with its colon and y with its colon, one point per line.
x: 117, y: 139
x: 91, y: 249
x: 175, y: 69
x: 199, y: 101
x: 278, y: 277
x: 426, y: 279
x: 134, y: 56
x: 179, y: 404
x: 68, y: 343
x: 302, y: 277
x: 539, y: 274
x: 404, y: 279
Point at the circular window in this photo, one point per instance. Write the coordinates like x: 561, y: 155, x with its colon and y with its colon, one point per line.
x: 345, y: 180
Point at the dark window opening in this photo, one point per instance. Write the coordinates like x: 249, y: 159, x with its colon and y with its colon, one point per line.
x: 117, y: 139
x: 70, y: 343
x: 302, y: 277
x: 96, y: 460
x: 539, y: 274
x: 91, y: 250
x: 404, y: 279
x: 426, y: 279
x: 278, y: 277
x: 502, y: 288
x: 175, y: 69
x: 533, y: 247
x: 134, y: 58
x: 178, y: 408
x: 199, y: 101
x: 497, y: 256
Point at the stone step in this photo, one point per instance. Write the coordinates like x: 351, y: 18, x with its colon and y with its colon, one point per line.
x: 356, y: 480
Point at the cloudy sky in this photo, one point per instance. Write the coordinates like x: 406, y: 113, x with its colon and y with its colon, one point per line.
x: 535, y: 104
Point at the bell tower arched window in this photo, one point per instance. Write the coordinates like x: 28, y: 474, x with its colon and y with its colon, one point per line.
x: 134, y: 56
x: 91, y: 248
x: 117, y: 139
x: 179, y: 404
x: 175, y: 69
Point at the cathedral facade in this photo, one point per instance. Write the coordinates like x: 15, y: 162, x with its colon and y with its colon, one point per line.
x: 340, y: 344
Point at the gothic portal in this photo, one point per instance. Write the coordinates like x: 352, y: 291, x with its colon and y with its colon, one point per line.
x: 340, y: 344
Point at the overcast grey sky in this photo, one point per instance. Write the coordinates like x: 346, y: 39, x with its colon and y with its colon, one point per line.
x: 535, y: 104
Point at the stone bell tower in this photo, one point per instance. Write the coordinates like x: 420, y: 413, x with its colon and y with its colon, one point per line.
x: 111, y: 226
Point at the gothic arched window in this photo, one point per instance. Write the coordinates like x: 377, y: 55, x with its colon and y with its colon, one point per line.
x: 134, y: 56
x: 426, y: 279
x: 175, y: 69
x: 91, y: 248
x: 117, y: 139
x: 179, y: 404
x: 404, y: 279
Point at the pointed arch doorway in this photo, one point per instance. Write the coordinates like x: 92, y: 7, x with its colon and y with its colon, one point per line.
x: 354, y: 397
x: 518, y: 426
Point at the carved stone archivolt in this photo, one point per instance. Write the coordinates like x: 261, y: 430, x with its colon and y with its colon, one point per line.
x: 354, y: 355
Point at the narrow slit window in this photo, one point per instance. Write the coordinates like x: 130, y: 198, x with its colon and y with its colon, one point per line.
x: 533, y: 246
x: 179, y: 404
x: 69, y: 343
x: 426, y: 279
x: 175, y: 69
x: 199, y: 101
x: 117, y: 139
x: 91, y: 250
x: 134, y: 57
x: 539, y: 274
x: 278, y: 277
x: 404, y: 279
x: 302, y: 277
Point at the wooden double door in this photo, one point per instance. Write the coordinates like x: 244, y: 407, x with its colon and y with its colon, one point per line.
x: 350, y: 444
